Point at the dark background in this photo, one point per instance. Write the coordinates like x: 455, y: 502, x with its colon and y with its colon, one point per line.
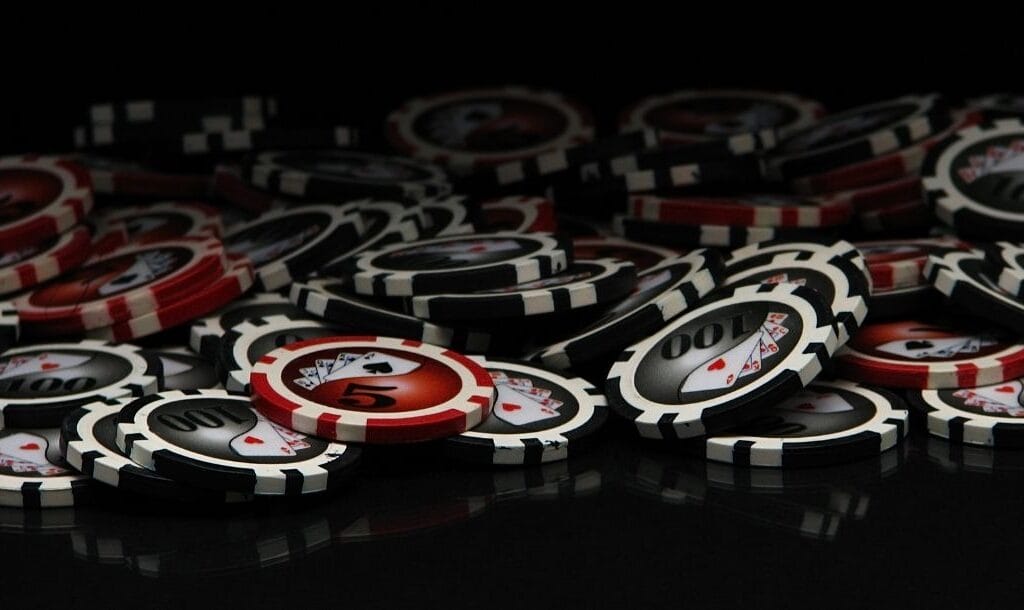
x: 935, y: 533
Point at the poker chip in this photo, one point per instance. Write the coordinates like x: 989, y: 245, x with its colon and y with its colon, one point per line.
x: 661, y: 293
x: 1010, y: 260
x: 143, y: 111
x: 667, y: 174
x: 205, y: 334
x: 448, y: 217
x: 477, y: 262
x: 538, y: 417
x: 33, y: 473
x: 384, y: 222
x: 699, y: 115
x: 216, y: 440
x: 907, y: 216
x: 341, y: 174
x: 858, y: 134
x: 642, y: 255
x: 519, y: 214
x: 23, y: 268
x: 111, y: 176
x: 966, y: 279
x: 696, y: 236
x: 43, y: 197
x: 129, y: 282
x: 392, y: 390
x: 200, y: 302
x: 883, y: 195
x: 87, y: 441
x: 464, y: 130
x: 332, y: 300
x: 40, y: 384
x: 999, y: 105
x: 756, y: 255
x: 827, y: 422
x: 581, y: 284
x: 899, y: 263
x: 989, y: 415
x: 180, y: 369
x: 746, y: 210
x: 247, y: 342
x: 841, y: 284
x: 228, y: 185
x: 968, y: 180
x: 166, y: 220
x: 929, y: 354
x: 723, y: 362
x: 287, y: 245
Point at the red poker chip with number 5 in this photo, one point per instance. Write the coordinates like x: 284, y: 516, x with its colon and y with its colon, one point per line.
x: 371, y: 389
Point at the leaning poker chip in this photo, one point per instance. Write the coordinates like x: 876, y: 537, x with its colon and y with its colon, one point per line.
x: 447, y: 217
x: 858, y: 134
x: 465, y: 130
x: 332, y: 300
x: 696, y: 236
x: 248, y: 341
x: 203, y: 301
x: 111, y: 176
x: 661, y: 293
x: 289, y: 244
x: 827, y: 422
x: 723, y: 362
x: 154, y: 111
x: 42, y: 383
x: 538, y: 417
x: 581, y: 284
x: 990, y: 415
x: 744, y: 210
x: 42, y: 197
x: 476, y: 262
x: 522, y: 214
x: 841, y: 284
x: 342, y: 174
x: 214, y: 439
x: 966, y: 279
x: 392, y: 390
x: 758, y: 254
x: 642, y: 255
x: 87, y: 441
x: 927, y: 354
x: 33, y: 474
x: 1010, y: 260
x: 899, y: 263
x: 384, y: 222
x: 128, y: 282
x: 26, y: 267
x: 699, y: 115
x: 165, y: 220
x: 205, y: 335
x: 183, y: 370
x: 969, y: 179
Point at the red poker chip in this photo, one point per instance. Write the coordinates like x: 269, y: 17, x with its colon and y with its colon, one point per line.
x: 899, y: 263
x: 903, y: 216
x: 118, y: 177
x: 519, y: 214
x: 26, y: 267
x: 162, y: 221
x: 129, y: 282
x: 371, y: 389
x: 746, y: 210
x: 229, y: 185
x: 931, y: 355
x: 189, y: 307
x: 41, y: 197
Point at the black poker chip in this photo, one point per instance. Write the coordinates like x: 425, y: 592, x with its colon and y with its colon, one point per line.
x: 205, y: 335
x: 989, y: 415
x: 183, y: 370
x: 968, y: 281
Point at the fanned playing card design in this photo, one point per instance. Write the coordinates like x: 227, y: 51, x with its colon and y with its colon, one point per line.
x: 915, y: 349
x: 520, y: 402
x: 999, y: 399
x: 347, y: 366
x: 745, y: 358
x: 39, y: 363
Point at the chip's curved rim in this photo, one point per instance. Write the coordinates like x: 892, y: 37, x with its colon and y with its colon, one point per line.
x: 316, y: 297
x: 145, y: 448
x: 807, y: 111
x: 115, y: 177
x: 461, y: 412
x: 759, y: 253
x: 884, y: 430
x: 817, y: 342
x: 851, y: 288
x: 204, y: 329
x: 234, y: 283
x: 694, y: 236
x: 208, y: 261
x: 234, y: 346
x: 1011, y: 272
x: 71, y: 205
x: 401, y: 224
x: 537, y: 213
x: 401, y: 132
x: 948, y: 277
x: 613, y: 242
x: 910, y: 215
x: 962, y: 426
x: 610, y: 280
x: 69, y: 251
x: 83, y: 450
x: 455, y: 207
x: 549, y: 255
x: 952, y: 206
x: 67, y: 489
x: 535, y: 447
x: 48, y: 411
x: 341, y: 226
x: 266, y: 171
x: 742, y: 211
x: 203, y: 219
x: 705, y: 271
x: 905, y: 272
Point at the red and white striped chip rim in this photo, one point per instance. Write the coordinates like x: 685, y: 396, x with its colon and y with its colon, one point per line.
x: 896, y: 264
x: 59, y: 191
x: 24, y: 268
x: 449, y: 392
